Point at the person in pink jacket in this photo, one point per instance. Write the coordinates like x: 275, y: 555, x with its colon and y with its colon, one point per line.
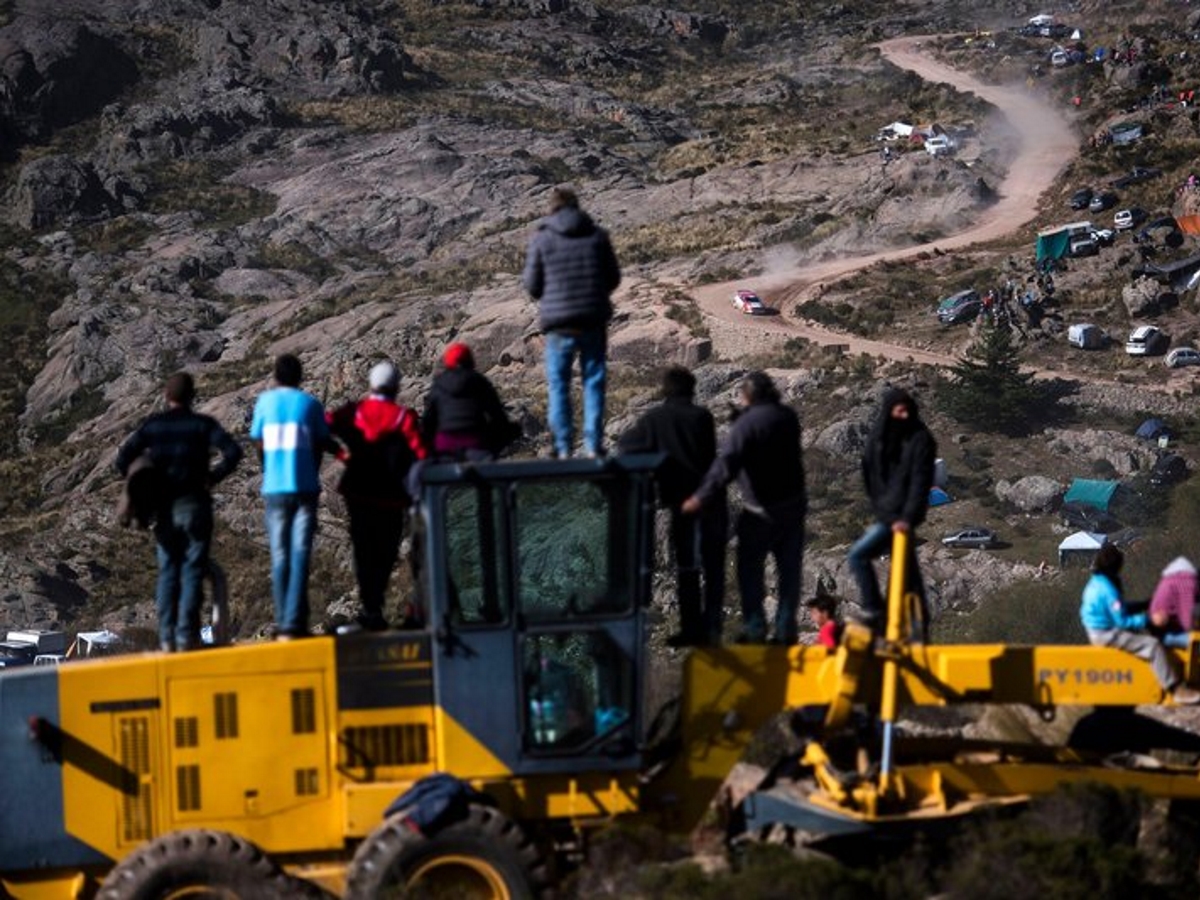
x: 1174, y: 601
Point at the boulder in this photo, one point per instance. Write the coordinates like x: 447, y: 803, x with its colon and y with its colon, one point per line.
x: 1033, y: 493
x: 1124, y: 453
x: 58, y: 190
x: 1141, y: 298
x: 53, y: 72
x: 846, y: 438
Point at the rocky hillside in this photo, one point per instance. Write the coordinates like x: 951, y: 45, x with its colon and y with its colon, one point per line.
x: 205, y: 185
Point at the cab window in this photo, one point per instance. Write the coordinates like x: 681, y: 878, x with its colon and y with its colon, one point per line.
x: 574, y: 550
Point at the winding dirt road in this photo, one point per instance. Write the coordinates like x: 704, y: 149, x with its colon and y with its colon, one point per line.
x: 1046, y: 145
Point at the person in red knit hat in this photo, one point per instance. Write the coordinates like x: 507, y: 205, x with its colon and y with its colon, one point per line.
x: 464, y: 417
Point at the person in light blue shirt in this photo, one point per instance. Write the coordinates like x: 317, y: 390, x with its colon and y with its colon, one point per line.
x: 290, y: 432
x: 1109, y: 624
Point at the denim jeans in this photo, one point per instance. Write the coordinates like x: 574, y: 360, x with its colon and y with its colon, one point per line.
x: 184, y: 535
x: 875, y: 542
x: 561, y: 349
x: 784, y: 540
x: 291, y: 524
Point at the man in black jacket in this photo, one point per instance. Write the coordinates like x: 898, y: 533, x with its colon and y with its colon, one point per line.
x: 686, y: 434
x: 571, y: 270
x: 762, y: 450
x: 897, y: 467
x: 180, y: 444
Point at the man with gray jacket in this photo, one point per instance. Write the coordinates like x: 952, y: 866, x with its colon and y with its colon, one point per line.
x: 571, y: 270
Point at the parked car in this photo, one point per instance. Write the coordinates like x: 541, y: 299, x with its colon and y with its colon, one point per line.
x: 1101, y: 202
x: 975, y: 537
x: 940, y: 145
x: 1136, y: 175
x: 1103, y: 236
x: 1081, y: 198
x: 1183, y: 356
x: 749, y: 303
x: 1146, y: 340
x: 961, y: 307
x: 16, y: 653
x: 1125, y: 219
x: 1083, y: 245
x: 1086, y: 336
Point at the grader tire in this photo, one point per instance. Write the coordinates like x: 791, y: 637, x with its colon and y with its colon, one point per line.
x: 197, y: 865
x: 484, y: 856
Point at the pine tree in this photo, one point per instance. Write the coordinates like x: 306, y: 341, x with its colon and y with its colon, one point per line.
x: 987, y: 388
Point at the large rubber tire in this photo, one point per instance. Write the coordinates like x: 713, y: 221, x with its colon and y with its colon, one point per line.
x: 484, y: 856
x: 197, y: 865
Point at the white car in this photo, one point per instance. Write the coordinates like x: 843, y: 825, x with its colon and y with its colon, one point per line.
x: 749, y: 303
x: 940, y: 145
x: 1146, y: 340
x: 1183, y: 356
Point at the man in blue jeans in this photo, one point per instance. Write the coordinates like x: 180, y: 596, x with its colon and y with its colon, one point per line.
x: 571, y: 270
x: 290, y: 432
x: 178, y: 446
x: 897, y: 467
x: 762, y: 451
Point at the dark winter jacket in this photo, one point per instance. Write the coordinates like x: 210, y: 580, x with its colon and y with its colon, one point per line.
x: 464, y: 404
x: 898, y: 463
x: 180, y: 444
x: 571, y: 270
x: 762, y: 450
x: 686, y: 434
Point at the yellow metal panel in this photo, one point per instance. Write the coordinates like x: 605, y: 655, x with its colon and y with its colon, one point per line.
x: 49, y: 886
x: 459, y: 752
x: 364, y: 804
x: 102, y: 703
x: 106, y: 803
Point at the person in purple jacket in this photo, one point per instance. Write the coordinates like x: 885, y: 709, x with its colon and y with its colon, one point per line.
x: 571, y: 270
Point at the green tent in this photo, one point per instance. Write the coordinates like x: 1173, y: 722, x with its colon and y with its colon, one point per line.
x: 1053, y: 246
x: 1094, y: 493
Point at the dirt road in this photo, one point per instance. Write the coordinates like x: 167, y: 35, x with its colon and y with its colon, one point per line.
x: 1046, y: 145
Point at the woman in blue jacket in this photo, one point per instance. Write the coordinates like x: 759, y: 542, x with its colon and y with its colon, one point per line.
x: 1108, y: 624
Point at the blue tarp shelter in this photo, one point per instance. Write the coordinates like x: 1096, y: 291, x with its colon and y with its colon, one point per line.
x: 938, y: 497
x: 1097, y: 494
x: 1153, y: 429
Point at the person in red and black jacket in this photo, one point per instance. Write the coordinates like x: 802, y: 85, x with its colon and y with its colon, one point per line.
x: 382, y: 441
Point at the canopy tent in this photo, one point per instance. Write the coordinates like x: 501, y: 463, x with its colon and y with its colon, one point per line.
x: 1153, y: 429
x: 1097, y: 494
x: 1080, y: 547
x: 1053, y: 245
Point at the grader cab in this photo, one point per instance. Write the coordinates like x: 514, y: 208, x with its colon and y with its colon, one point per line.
x: 474, y: 756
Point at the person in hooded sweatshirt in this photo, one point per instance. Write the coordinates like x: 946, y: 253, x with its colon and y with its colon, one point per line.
x: 1108, y: 624
x: 382, y: 441
x: 897, y: 468
x: 464, y: 417
x: 571, y: 271
x: 1173, y: 604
